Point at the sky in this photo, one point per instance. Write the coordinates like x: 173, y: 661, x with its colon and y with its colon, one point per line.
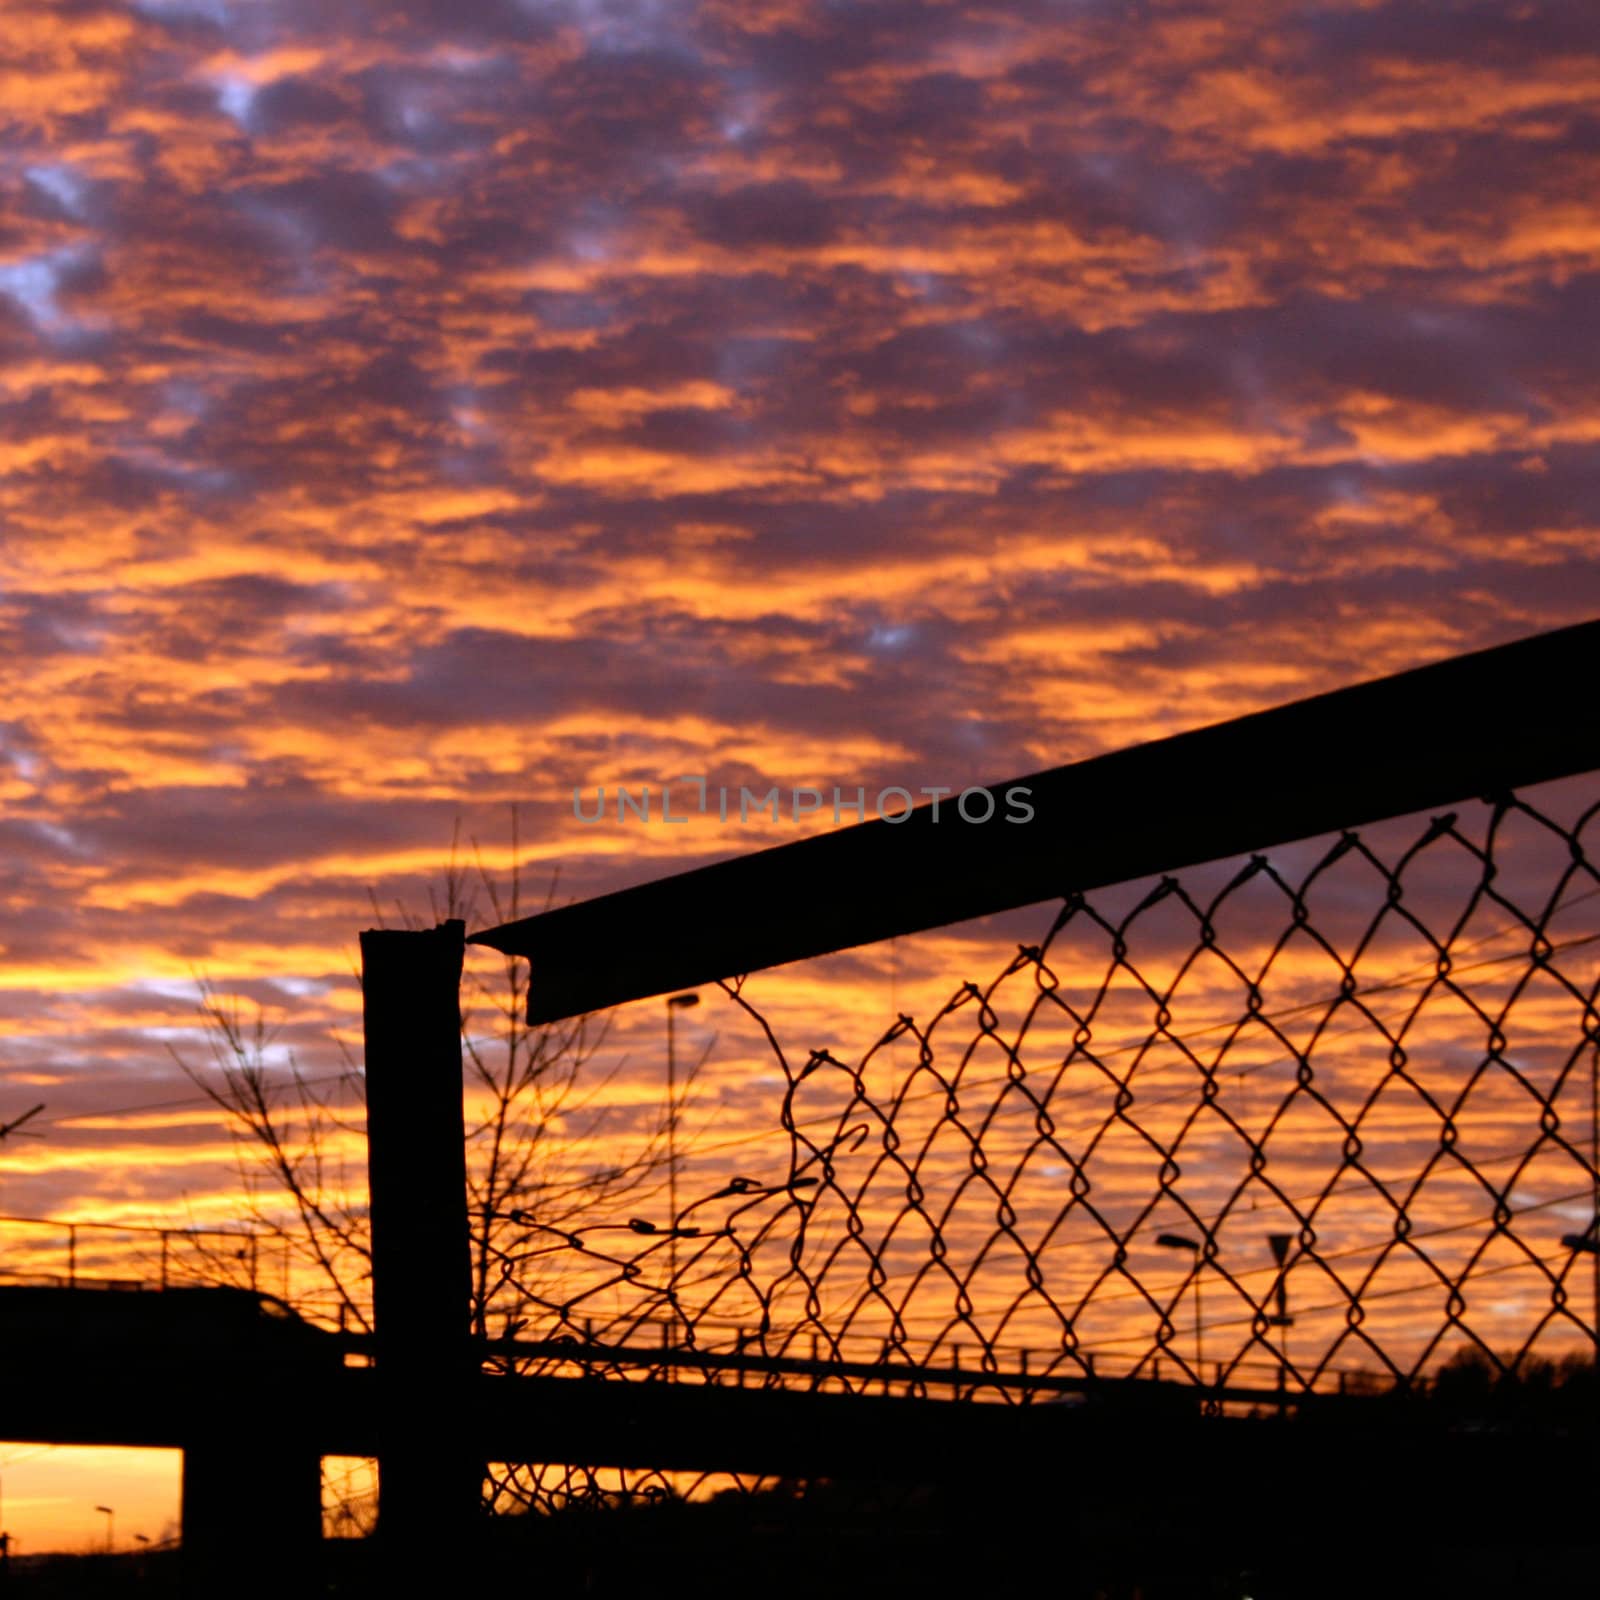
x: 412, y: 410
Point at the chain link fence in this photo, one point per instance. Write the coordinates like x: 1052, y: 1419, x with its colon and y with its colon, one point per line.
x: 1315, y: 1122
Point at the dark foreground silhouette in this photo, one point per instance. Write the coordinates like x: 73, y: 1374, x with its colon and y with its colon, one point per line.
x: 1482, y: 1486
x: 845, y: 1540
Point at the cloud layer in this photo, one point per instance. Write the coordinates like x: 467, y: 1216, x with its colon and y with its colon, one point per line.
x: 411, y: 409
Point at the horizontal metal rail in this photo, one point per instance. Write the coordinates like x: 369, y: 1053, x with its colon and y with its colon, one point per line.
x: 1475, y: 725
x: 579, y: 1353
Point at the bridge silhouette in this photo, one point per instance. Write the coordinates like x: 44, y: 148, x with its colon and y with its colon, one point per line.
x: 254, y: 1398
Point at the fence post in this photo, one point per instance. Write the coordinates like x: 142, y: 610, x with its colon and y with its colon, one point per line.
x: 428, y: 1481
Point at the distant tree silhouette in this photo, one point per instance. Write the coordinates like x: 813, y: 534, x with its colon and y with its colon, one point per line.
x: 1474, y: 1387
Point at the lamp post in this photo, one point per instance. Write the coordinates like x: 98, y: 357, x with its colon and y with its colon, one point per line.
x: 111, y: 1523
x: 1179, y: 1241
x: 1279, y: 1244
x: 675, y: 1004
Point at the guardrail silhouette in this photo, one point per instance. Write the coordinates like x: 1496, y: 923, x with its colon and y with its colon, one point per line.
x: 57, y: 1252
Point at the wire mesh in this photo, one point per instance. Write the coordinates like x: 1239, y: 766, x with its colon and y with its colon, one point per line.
x: 1320, y: 1121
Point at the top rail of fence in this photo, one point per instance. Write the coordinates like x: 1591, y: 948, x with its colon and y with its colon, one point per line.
x: 1474, y: 725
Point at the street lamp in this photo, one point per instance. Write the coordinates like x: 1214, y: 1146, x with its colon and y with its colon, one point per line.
x: 1179, y: 1241
x: 675, y: 1004
x: 1279, y: 1244
x: 111, y: 1523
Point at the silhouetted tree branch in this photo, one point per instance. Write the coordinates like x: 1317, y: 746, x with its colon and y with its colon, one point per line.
x: 533, y: 1094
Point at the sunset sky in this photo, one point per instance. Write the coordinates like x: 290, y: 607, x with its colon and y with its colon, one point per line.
x: 412, y: 409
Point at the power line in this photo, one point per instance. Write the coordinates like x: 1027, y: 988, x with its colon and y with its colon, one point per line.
x: 201, y: 1099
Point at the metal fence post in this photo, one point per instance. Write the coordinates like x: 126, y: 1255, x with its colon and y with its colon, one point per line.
x: 421, y: 1254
